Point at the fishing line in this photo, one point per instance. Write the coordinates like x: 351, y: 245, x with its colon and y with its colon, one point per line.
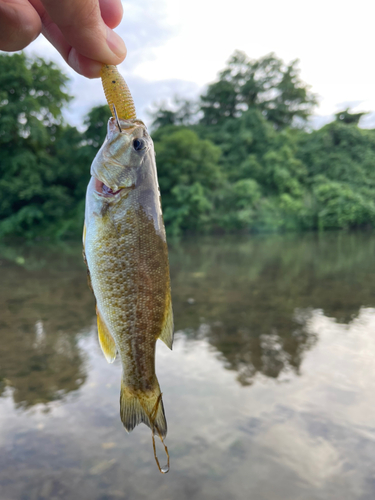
x: 152, y: 417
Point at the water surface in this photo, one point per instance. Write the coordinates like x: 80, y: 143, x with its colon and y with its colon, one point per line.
x: 268, y: 391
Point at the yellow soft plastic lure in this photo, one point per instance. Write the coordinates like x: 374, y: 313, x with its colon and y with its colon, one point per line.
x: 117, y: 93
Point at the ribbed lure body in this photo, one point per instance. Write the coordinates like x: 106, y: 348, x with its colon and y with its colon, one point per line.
x: 117, y: 93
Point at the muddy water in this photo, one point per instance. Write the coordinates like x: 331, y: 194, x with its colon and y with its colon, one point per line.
x: 268, y: 391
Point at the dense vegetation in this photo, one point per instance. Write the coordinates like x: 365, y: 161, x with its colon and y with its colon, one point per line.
x: 240, y: 159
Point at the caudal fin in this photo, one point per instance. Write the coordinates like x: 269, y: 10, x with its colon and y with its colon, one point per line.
x: 143, y: 407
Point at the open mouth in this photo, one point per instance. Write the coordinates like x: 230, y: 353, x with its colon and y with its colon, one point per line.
x: 104, y: 190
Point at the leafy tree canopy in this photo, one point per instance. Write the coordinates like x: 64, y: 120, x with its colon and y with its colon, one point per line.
x: 40, y: 171
x: 346, y: 117
x: 266, y: 84
x: 236, y: 161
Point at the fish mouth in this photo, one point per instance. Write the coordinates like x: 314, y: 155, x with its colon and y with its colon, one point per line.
x: 104, y: 190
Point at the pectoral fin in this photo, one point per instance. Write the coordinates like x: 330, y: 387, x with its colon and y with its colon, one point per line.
x: 106, y: 340
x: 167, y: 331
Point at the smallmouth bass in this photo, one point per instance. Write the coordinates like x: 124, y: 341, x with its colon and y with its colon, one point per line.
x: 126, y: 254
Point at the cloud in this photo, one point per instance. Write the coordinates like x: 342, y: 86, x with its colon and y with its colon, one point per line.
x: 144, y: 27
x: 351, y: 105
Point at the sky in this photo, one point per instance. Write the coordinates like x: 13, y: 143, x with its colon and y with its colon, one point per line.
x: 178, y: 47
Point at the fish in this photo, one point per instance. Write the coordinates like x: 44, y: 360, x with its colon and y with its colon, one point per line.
x: 126, y: 253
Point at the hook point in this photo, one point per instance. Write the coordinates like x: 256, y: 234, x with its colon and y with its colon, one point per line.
x: 116, y: 118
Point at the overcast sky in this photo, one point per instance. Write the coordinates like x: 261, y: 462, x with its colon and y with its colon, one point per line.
x: 178, y: 47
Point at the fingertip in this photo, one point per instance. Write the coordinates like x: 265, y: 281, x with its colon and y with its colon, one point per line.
x: 20, y: 25
x: 112, y: 12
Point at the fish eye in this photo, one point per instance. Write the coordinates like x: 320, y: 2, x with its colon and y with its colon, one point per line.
x: 138, y: 144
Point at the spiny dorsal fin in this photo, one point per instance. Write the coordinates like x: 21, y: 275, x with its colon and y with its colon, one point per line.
x: 167, y: 330
x: 106, y: 340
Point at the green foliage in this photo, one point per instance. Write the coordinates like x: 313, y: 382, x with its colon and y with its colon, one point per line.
x: 340, y: 158
x: 238, y: 161
x: 236, y: 205
x: 184, y: 113
x: 188, y: 173
x: 346, y: 117
x: 41, y: 177
x: 96, y: 123
x: 340, y: 207
x: 266, y: 84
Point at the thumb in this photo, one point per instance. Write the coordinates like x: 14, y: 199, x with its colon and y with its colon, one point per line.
x: 81, y: 25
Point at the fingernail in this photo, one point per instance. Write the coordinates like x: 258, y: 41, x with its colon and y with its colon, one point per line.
x: 116, y: 43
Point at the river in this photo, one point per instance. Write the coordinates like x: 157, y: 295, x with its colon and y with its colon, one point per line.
x: 268, y: 391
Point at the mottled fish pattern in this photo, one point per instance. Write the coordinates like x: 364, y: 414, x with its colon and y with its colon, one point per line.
x: 126, y: 254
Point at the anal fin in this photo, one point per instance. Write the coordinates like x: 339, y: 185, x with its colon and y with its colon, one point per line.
x: 106, y: 340
x: 167, y: 329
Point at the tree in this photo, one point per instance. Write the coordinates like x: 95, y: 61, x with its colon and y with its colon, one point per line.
x: 40, y: 170
x: 184, y: 112
x: 346, y: 117
x: 267, y: 84
x: 340, y: 159
x: 188, y: 173
x: 96, y: 123
x: 244, y: 167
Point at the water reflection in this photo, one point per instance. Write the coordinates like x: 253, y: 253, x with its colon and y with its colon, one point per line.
x: 244, y: 295
x: 44, y: 306
x: 268, y: 389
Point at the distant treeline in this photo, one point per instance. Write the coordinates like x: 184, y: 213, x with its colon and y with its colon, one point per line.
x: 239, y: 159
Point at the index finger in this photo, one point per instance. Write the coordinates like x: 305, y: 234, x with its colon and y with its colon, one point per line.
x: 81, y: 23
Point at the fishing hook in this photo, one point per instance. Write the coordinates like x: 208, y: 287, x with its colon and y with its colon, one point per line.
x: 116, y: 118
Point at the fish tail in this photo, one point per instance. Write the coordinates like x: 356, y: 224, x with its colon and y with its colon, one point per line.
x: 148, y: 408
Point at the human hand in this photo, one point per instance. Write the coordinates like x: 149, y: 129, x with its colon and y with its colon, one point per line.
x: 81, y: 30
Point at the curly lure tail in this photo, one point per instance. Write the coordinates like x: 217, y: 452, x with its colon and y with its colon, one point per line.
x: 117, y: 93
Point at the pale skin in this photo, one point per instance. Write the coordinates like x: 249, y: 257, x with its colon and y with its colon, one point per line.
x: 81, y: 30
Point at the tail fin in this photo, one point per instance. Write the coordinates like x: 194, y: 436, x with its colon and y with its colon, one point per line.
x: 143, y: 407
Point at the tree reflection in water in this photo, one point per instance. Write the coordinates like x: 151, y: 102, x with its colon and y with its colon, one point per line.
x: 250, y: 297
x: 44, y: 307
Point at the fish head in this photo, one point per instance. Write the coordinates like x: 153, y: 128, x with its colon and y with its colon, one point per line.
x: 124, y: 178
x: 118, y: 163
